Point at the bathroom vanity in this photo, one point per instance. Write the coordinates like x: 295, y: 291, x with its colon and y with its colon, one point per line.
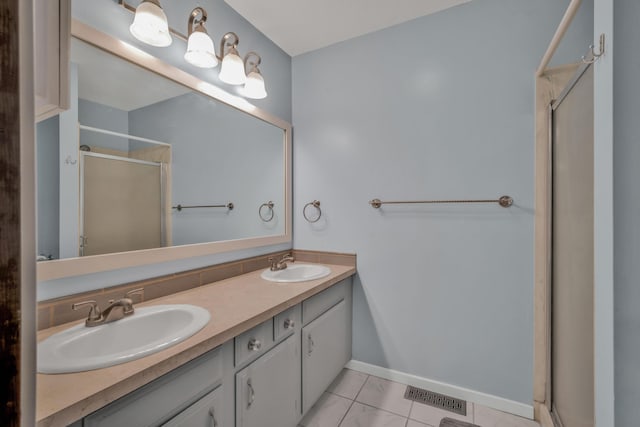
x: 265, y: 357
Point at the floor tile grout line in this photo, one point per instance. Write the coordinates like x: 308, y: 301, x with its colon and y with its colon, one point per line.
x: 361, y: 387
x: 376, y: 407
x: 383, y: 410
x: 354, y: 399
x: 345, y: 414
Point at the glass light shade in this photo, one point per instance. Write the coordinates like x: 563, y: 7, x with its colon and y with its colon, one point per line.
x: 200, y: 50
x: 232, y: 68
x: 150, y: 25
x: 254, y: 87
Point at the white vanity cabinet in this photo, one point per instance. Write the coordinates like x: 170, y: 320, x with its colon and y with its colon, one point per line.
x: 188, y: 387
x: 268, y: 376
x: 268, y: 390
x: 326, y: 340
x: 51, y: 57
x: 206, y: 412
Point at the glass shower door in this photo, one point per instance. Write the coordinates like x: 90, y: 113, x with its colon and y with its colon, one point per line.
x: 572, y: 336
x: 121, y: 206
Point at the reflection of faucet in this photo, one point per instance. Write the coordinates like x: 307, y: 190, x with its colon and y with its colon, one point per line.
x: 282, y: 264
x: 115, y: 311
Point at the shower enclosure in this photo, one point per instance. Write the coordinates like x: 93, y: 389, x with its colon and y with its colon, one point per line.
x: 121, y: 203
x: 572, y: 277
x: 124, y: 192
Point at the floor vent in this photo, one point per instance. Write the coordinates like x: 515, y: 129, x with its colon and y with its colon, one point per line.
x: 448, y: 403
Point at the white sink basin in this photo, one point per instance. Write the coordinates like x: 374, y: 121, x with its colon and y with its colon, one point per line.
x: 297, y: 273
x: 147, y: 331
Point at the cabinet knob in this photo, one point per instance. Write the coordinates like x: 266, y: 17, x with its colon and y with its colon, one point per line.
x: 254, y: 344
x: 289, y: 324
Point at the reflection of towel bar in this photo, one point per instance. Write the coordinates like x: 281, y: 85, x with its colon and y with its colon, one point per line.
x: 180, y: 207
x: 504, y: 201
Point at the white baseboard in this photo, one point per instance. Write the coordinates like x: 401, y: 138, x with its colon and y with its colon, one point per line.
x: 489, y: 400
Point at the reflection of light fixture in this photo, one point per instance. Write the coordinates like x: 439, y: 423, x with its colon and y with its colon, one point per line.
x: 200, y: 50
x: 254, y: 86
x: 232, y: 68
x: 150, y: 24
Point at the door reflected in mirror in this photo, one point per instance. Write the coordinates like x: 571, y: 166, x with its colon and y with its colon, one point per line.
x: 141, y: 162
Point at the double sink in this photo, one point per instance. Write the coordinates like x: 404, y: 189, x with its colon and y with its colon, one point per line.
x: 147, y: 331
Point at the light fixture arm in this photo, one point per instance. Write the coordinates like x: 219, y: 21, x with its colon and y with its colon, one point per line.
x: 225, y: 43
x: 196, y: 20
x: 252, y: 64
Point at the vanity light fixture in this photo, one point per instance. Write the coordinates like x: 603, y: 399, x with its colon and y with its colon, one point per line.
x: 254, y: 86
x: 150, y: 24
x: 200, y: 51
x: 232, y: 68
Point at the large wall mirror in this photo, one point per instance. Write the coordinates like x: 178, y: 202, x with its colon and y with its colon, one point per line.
x: 151, y: 164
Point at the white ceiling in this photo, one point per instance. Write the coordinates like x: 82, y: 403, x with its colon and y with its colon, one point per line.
x: 300, y: 26
x: 109, y: 80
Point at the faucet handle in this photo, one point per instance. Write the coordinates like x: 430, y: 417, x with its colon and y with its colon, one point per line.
x: 138, y: 291
x: 95, y: 315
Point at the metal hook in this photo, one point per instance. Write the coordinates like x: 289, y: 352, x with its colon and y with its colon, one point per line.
x: 315, y: 204
x: 592, y: 52
x: 69, y: 160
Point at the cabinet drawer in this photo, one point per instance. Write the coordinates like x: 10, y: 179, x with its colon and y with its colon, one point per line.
x: 162, y: 399
x: 320, y: 303
x: 284, y: 324
x: 206, y: 412
x: 253, y: 342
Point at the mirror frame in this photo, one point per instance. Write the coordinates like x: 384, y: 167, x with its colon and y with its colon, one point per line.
x: 69, y: 267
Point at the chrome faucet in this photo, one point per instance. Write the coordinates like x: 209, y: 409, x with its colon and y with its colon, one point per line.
x: 115, y: 311
x: 282, y: 263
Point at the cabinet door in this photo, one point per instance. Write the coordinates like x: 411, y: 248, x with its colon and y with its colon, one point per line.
x: 51, y: 57
x: 206, y: 412
x: 268, y: 390
x: 326, y: 348
x: 160, y: 400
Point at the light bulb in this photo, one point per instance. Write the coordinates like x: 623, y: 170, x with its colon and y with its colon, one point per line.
x: 254, y: 87
x: 232, y: 68
x: 150, y: 25
x: 200, y: 50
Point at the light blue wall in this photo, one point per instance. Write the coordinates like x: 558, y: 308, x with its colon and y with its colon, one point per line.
x: 47, y: 159
x: 626, y: 152
x: 218, y: 155
x: 103, y: 117
x: 437, y: 108
x: 107, y: 16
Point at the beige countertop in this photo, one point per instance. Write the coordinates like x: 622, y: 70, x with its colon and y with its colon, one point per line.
x: 236, y: 305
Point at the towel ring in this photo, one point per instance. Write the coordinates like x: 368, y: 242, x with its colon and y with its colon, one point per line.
x: 315, y: 204
x: 268, y: 205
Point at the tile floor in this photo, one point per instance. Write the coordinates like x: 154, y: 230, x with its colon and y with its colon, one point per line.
x: 356, y: 399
